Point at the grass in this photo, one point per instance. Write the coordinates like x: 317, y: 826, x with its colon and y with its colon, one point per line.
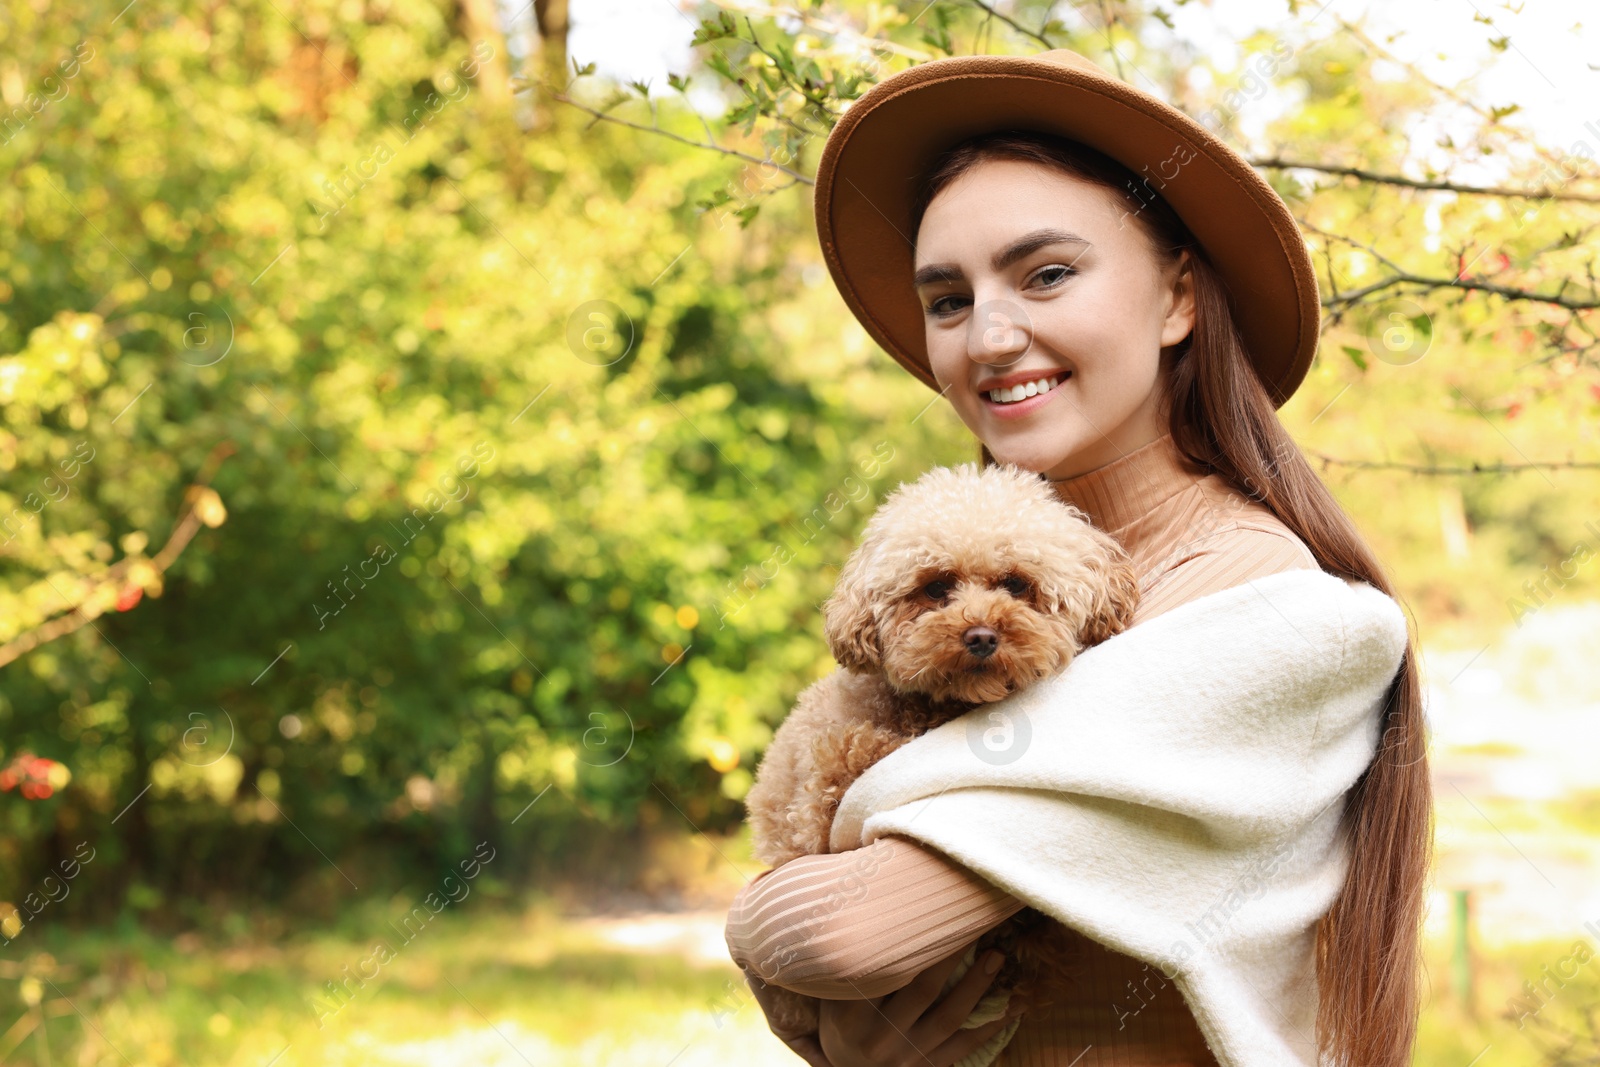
x: 481, y: 987
x: 491, y: 983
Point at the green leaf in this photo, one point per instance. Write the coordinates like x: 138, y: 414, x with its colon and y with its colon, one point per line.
x: 939, y: 38
x: 717, y: 29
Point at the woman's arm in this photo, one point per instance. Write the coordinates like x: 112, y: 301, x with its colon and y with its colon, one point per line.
x: 860, y: 924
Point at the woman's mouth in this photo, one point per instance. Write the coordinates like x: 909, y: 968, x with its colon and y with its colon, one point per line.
x: 1025, y: 396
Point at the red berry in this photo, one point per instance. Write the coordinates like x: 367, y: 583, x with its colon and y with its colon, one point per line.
x: 1514, y: 410
x: 129, y: 597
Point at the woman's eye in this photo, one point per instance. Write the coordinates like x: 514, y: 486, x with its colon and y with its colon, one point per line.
x: 942, y: 308
x: 936, y: 590
x: 1015, y: 586
x: 1060, y: 272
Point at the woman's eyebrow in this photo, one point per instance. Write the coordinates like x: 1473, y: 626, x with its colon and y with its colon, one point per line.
x: 1022, y: 246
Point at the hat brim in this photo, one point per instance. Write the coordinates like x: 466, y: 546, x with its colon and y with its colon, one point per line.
x: 880, y: 149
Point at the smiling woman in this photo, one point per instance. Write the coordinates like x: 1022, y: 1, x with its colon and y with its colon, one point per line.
x: 1114, y: 300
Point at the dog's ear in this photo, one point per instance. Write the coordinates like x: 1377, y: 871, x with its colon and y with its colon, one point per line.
x: 847, y: 618
x: 1092, y: 582
x: 1117, y: 595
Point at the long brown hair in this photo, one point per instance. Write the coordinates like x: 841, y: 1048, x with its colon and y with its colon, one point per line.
x: 1222, y: 418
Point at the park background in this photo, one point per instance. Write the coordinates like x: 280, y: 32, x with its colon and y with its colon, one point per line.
x: 405, y: 403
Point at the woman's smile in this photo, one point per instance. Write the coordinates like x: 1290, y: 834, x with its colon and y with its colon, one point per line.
x: 1018, y: 395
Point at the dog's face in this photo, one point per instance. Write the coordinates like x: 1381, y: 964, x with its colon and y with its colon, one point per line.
x: 969, y: 585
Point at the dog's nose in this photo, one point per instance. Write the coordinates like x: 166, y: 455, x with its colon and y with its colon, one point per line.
x: 981, y: 641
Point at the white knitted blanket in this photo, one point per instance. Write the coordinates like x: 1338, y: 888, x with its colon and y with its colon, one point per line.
x: 1174, y: 794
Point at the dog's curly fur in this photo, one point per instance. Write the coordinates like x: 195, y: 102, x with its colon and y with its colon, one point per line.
x: 962, y: 561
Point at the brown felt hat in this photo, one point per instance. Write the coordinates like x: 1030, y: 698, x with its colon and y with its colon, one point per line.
x: 877, y: 154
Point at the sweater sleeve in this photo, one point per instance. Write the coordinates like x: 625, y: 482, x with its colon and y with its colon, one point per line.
x: 859, y: 924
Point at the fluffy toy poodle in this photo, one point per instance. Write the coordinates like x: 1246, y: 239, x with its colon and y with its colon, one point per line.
x: 969, y: 584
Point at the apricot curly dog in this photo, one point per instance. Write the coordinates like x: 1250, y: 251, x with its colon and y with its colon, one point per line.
x: 968, y: 585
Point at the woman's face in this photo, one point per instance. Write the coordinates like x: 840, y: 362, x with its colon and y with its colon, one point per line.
x: 1026, y: 273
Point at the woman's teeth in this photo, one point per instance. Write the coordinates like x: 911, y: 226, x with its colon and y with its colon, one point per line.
x: 1026, y: 389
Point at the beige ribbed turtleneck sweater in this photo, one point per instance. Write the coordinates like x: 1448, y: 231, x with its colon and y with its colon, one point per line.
x: 1189, y: 534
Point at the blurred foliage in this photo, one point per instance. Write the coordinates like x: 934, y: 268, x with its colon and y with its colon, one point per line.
x: 523, y: 444
x: 466, y: 546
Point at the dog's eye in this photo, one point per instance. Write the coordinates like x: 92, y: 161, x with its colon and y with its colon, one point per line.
x: 1017, y: 587
x: 937, y: 589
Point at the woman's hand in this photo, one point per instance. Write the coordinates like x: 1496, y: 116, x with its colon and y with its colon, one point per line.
x: 804, y: 1045
x: 900, y: 1029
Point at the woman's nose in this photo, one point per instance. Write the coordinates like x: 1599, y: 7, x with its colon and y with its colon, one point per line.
x: 998, y: 332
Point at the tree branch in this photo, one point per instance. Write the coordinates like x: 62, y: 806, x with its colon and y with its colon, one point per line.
x: 1340, y: 301
x: 707, y: 145
x: 820, y: 102
x: 86, y: 610
x: 837, y: 29
x: 1353, y: 296
x: 1542, y: 193
x: 1436, y: 469
x: 1036, y: 35
x: 1111, y: 41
